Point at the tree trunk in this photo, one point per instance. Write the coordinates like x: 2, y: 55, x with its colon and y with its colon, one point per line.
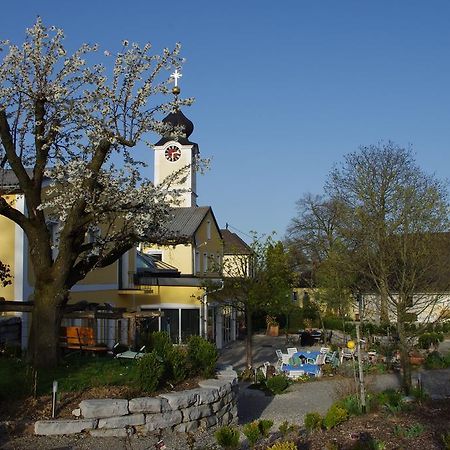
x: 404, y: 357
x: 249, y: 339
x: 45, y: 326
x: 384, y: 305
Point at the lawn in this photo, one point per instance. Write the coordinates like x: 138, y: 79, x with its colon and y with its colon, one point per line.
x: 76, y: 373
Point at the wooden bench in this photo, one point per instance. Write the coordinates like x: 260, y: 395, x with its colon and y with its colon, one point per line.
x: 80, y: 338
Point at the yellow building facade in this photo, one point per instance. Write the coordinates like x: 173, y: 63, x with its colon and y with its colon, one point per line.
x: 169, y: 278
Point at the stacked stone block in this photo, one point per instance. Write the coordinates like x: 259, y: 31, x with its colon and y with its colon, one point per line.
x: 214, y: 403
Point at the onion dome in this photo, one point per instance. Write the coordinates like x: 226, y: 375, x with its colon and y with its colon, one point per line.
x: 177, y: 119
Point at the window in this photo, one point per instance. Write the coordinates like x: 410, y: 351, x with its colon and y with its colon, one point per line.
x: 197, y: 262
x: 170, y: 323
x: 205, y: 262
x: 190, y: 323
x: 156, y: 256
x: 208, y: 229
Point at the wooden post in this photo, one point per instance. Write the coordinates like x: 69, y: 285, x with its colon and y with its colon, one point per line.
x: 362, y: 388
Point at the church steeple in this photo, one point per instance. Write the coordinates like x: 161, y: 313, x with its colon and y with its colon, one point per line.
x: 174, y: 152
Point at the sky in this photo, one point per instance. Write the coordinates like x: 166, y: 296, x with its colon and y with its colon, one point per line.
x: 283, y: 90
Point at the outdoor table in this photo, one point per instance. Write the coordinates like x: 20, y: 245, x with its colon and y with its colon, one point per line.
x: 310, y: 356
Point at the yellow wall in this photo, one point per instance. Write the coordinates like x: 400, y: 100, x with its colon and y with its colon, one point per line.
x: 182, y: 256
x: 105, y: 275
x: 7, y: 243
x: 236, y: 265
x: 152, y: 295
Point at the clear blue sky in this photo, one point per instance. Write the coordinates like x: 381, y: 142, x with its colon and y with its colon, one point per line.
x: 283, y: 89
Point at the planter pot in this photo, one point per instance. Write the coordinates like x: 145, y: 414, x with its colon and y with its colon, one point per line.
x: 272, y: 330
x: 416, y: 360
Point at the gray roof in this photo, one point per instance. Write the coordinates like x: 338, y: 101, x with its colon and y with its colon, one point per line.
x: 9, y: 181
x: 234, y: 245
x: 185, y: 222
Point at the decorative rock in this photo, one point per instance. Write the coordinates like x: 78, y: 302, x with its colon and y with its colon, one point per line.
x: 187, y: 427
x: 164, y: 420
x: 121, y: 421
x: 91, y: 409
x: 76, y: 412
x: 54, y: 427
x: 227, y: 418
x: 112, y: 432
x: 183, y: 399
x: 217, y: 405
x: 206, y: 395
x: 196, y: 412
x: 223, y: 386
x: 227, y: 374
x: 208, y: 422
x: 147, y: 405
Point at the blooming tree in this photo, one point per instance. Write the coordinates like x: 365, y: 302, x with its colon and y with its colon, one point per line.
x: 64, y: 125
x: 5, y: 274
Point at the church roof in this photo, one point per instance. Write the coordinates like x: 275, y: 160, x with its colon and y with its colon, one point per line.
x: 185, y: 221
x: 177, y: 119
x: 233, y: 244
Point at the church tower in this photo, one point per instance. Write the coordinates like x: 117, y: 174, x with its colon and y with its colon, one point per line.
x: 173, y: 154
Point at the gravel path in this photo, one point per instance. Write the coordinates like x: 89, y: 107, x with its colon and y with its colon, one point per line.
x: 318, y: 396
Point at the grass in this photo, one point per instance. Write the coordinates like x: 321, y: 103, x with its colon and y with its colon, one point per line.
x: 75, y: 373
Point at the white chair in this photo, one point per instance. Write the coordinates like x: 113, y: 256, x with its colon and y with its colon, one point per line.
x: 320, y: 360
x: 292, y: 351
x: 283, y: 358
x: 324, y: 350
x: 347, y: 353
x: 129, y: 354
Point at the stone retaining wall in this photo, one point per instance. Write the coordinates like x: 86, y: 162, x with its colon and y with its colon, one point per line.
x: 213, y: 403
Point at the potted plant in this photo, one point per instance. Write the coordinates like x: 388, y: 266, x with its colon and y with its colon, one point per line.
x: 273, y: 327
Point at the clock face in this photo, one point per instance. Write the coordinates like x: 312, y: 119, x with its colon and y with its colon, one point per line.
x: 173, y: 153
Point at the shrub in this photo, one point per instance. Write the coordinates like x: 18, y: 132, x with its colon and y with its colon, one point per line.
x: 426, y: 340
x: 160, y: 343
x: 176, y: 361
x: 227, y: 437
x: 313, y: 421
x: 436, y: 361
x: 410, y: 432
x: 335, y: 416
x: 150, y: 369
x: 351, y: 405
x: 391, y: 399
x: 286, y: 445
x: 419, y: 394
x: 264, y: 426
x: 277, y: 384
x: 252, y: 432
x: 286, y: 428
x: 446, y: 440
x: 202, y: 356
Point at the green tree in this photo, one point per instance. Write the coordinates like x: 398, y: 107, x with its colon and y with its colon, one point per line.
x: 398, y: 223
x: 62, y: 121
x: 256, y: 281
